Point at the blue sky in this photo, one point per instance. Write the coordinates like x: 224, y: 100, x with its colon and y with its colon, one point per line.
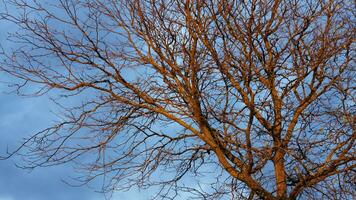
x: 20, y: 117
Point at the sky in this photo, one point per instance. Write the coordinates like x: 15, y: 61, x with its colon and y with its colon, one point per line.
x: 19, y: 118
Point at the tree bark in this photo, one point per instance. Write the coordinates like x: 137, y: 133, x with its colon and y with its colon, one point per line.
x: 280, y: 174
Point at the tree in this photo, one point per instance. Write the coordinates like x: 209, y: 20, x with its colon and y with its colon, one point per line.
x: 256, y: 97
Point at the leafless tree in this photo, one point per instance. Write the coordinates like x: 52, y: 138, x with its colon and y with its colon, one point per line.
x: 216, y: 99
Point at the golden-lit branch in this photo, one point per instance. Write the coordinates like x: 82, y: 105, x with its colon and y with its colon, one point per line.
x: 255, y: 97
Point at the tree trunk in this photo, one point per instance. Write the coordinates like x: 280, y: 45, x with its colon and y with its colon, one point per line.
x: 280, y: 174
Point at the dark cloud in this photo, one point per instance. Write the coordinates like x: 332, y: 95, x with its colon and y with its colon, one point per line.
x: 41, y: 184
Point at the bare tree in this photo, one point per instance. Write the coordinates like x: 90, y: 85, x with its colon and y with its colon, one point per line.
x: 256, y: 98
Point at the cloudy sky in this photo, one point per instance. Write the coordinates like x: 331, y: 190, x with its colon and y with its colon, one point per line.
x: 19, y: 117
